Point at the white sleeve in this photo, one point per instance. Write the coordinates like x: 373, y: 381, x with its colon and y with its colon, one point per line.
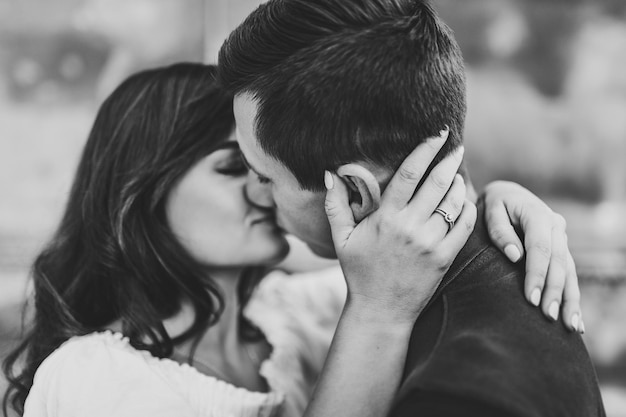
x: 303, y: 307
x: 92, y: 378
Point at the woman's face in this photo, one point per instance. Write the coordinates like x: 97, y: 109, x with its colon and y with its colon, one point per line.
x: 208, y: 212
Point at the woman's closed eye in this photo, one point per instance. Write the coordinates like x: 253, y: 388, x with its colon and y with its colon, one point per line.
x: 233, y: 165
x: 262, y: 179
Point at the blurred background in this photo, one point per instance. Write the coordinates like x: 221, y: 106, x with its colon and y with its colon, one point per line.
x: 547, y: 108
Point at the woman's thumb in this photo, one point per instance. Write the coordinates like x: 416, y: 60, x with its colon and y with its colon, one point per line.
x: 337, y: 206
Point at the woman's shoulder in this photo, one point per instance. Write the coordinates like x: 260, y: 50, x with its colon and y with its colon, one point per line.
x: 100, y: 352
x: 100, y: 374
x: 92, y: 354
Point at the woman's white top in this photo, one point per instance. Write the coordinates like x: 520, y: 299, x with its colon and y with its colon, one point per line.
x: 101, y: 374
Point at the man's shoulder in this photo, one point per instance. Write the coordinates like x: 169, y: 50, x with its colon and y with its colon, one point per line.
x: 482, y: 341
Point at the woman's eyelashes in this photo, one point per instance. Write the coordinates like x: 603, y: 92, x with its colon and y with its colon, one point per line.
x: 234, y: 166
x: 262, y: 179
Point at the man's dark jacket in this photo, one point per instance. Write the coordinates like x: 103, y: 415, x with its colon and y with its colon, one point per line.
x: 480, y: 349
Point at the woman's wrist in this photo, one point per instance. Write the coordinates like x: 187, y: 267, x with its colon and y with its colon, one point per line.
x: 367, y: 354
x: 376, y: 315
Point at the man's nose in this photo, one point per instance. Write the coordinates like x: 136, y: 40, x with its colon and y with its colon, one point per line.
x: 257, y: 194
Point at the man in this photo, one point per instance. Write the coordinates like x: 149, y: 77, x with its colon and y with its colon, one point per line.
x: 351, y: 87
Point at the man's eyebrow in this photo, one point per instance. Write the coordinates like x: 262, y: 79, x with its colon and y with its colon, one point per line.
x: 250, y: 167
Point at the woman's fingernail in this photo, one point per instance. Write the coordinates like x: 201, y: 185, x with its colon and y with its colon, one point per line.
x: 328, y: 180
x: 553, y: 310
x: 535, y: 297
x: 512, y: 253
x: 575, y: 322
x: 443, y: 133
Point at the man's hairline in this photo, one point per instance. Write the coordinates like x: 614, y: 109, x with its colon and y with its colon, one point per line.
x: 243, y: 155
x: 250, y: 94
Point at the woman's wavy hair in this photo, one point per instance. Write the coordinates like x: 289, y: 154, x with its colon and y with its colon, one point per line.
x: 113, y: 257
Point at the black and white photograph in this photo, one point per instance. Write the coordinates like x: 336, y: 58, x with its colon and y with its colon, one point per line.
x: 313, y: 208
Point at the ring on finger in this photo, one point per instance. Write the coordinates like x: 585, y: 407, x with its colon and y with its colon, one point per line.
x: 446, y: 216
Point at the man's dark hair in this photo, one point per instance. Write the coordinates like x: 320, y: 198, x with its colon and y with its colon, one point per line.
x: 339, y: 81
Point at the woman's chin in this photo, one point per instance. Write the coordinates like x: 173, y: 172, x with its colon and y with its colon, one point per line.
x: 271, y: 254
x: 280, y: 254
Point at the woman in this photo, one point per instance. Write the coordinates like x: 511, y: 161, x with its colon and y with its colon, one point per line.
x: 140, y: 296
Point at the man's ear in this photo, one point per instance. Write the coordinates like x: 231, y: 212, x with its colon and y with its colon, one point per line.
x: 364, y: 189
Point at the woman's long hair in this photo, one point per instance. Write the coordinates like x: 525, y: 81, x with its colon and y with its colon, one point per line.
x: 113, y: 257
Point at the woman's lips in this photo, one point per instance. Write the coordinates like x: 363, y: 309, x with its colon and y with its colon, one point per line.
x: 269, y: 221
x: 264, y: 219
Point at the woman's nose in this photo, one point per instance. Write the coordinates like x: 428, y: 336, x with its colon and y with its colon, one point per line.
x: 257, y: 194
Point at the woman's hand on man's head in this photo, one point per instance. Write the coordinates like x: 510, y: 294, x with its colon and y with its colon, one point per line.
x: 394, y: 258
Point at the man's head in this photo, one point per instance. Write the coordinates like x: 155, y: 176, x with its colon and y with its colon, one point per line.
x: 325, y: 84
